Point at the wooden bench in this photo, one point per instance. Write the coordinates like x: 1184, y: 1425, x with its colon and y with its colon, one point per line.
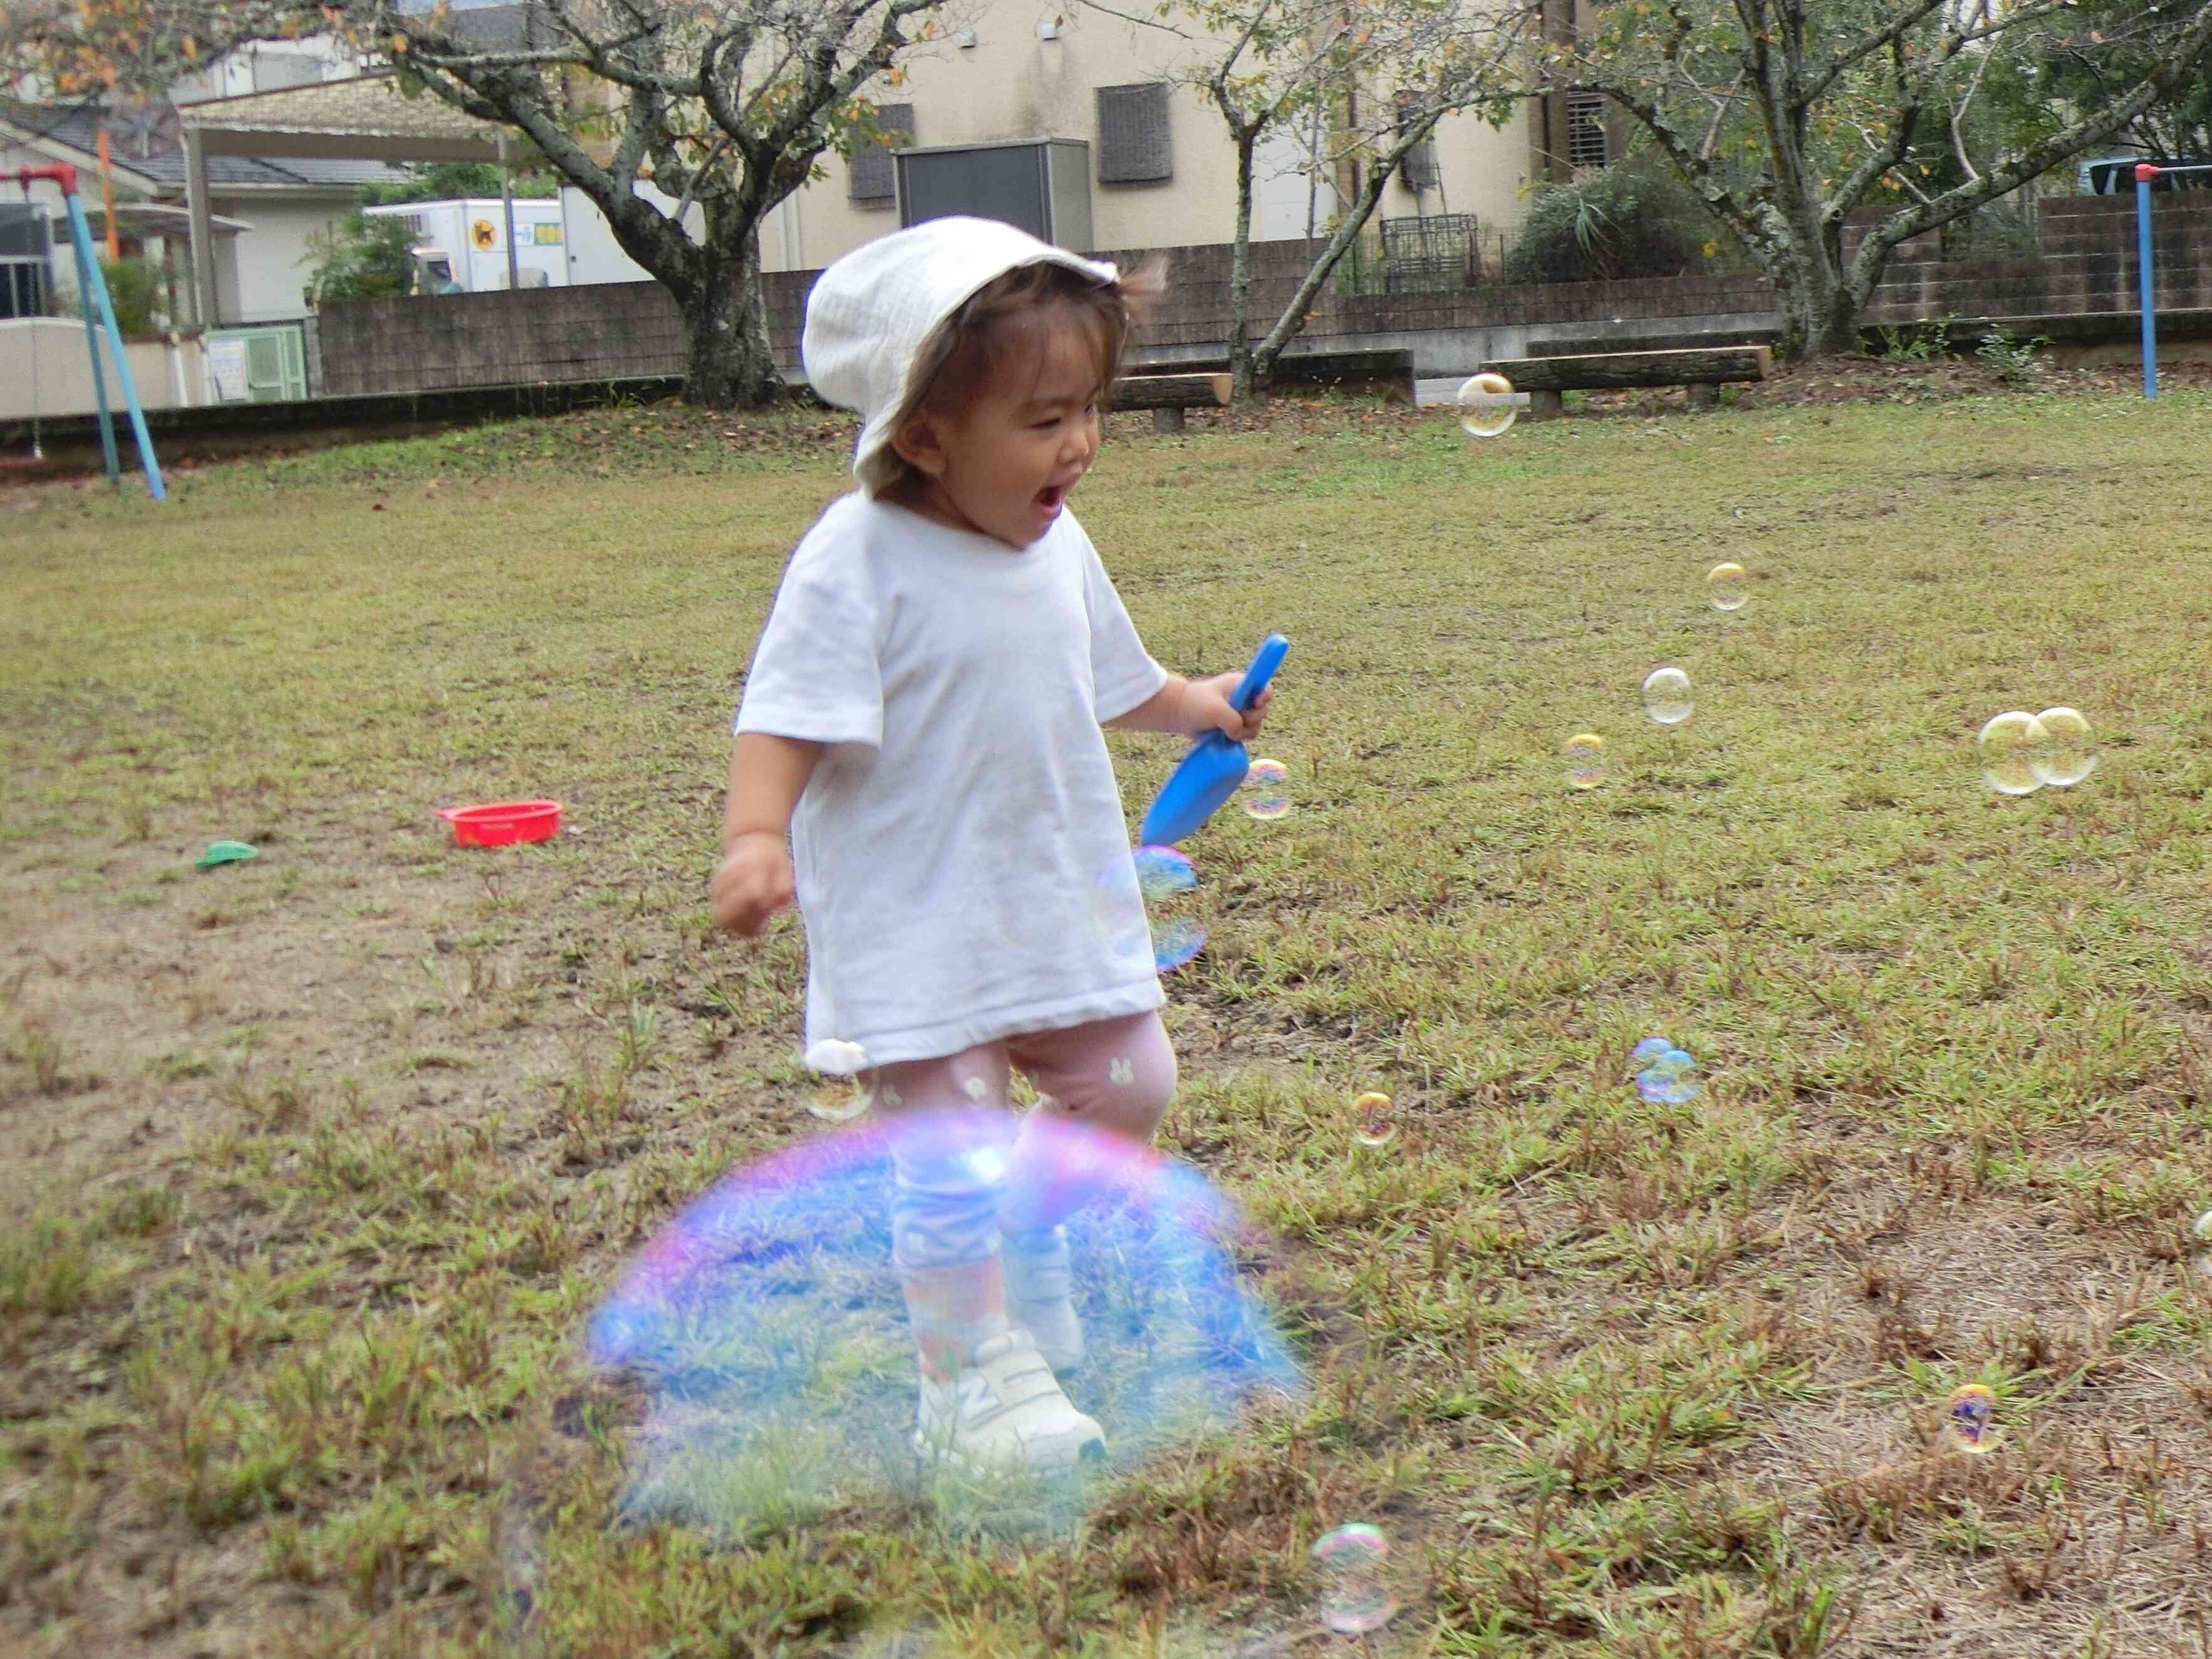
x: 1605, y: 340
x: 1704, y: 370
x: 1386, y: 371
x: 1167, y: 396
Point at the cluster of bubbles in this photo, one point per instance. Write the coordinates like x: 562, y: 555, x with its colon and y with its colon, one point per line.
x: 2020, y: 753
x: 1969, y: 1418
x: 1353, y: 1566
x: 1375, y: 1120
x: 1668, y: 697
x: 1664, y: 1073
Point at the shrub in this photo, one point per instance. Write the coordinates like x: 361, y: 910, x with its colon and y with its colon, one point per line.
x: 2013, y: 360
x: 134, y: 288
x: 360, y: 258
x: 1632, y: 219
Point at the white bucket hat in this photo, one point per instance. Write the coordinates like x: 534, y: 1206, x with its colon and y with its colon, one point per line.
x: 871, y: 312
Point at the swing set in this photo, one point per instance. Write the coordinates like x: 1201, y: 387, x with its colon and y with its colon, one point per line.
x: 95, y: 285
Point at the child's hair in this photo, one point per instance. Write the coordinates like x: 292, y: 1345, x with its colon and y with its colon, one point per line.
x: 1010, y: 318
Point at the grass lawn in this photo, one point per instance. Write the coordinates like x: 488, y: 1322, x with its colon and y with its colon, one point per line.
x: 316, y: 1162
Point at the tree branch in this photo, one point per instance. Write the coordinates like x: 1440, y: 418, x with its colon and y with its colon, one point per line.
x: 2180, y: 56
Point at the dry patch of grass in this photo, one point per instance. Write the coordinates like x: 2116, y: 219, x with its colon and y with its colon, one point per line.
x: 324, y: 1157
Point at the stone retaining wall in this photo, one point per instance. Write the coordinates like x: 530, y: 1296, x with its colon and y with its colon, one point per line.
x: 623, y: 331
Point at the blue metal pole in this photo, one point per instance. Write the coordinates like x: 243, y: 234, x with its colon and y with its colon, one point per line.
x: 97, y: 285
x: 85, y: 263
x: 2144, y: 173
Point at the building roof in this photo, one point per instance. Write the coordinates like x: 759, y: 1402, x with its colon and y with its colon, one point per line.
x: 77, y: 127
x: 366, y: 115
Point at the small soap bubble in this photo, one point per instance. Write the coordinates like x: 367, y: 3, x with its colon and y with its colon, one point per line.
x: 1480, y: 416
x: 2069, y: 749
x: 836, y: 1092
x: 1647, y: 1051
x: 2008, y: 749
x: 1585, y: 757
x: 1165, y: 878
x: 1970, y: 1415
x: 1267, y: 790
x: 1727, y: 587
x: 1375, y: 1120
x: 2203, y: 1229
x: 1666, y: 696
x: 1143, y: 905
x: 1671, y: 1080
x: 1353, y: 1565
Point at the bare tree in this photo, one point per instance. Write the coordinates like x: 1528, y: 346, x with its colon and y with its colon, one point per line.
x: 729, y: 104
x: 1786, y: 115
x: 1360, y: 84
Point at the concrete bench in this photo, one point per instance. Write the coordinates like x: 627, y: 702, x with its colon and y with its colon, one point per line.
x: 1704, y: 370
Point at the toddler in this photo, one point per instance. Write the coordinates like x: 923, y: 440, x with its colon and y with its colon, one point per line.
x: 918, y: 763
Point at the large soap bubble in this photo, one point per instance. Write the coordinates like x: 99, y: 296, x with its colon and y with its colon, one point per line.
x: 769, y: 1335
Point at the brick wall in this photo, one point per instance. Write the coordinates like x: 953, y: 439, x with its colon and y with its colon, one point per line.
x: 604, y: 332
x: 2087, y: 264
x: 619, y: 330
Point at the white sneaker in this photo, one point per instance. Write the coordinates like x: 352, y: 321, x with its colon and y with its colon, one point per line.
x: 1040, y: 1284
x: 1005, y: 1412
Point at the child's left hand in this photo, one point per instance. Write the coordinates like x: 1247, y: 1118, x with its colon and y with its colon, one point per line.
x: 1210, y: 709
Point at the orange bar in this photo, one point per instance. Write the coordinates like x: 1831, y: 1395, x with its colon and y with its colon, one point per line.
x: 107, y: 195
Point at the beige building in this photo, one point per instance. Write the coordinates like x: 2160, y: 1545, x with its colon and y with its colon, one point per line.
x: 1077, y: 111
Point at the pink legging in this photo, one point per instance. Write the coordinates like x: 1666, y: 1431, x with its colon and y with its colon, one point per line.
x: 959, y: 1188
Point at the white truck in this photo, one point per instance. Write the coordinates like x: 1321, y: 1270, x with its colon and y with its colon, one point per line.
x: 460, y: 244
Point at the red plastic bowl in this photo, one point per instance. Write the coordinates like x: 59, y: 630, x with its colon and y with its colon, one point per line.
x: 504, y: 821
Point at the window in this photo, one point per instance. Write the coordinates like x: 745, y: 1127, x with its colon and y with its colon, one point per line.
x: 1586, y: 145
x: 1420, y: 166
x: 274, y: 70
x: 26, y: 260
x: 870, y: 180
x: 1133, y: 148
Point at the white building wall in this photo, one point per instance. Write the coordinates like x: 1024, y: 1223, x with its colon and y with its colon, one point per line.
x: 1012, y: 84
x: 260, y: 273
x: 270, y: 67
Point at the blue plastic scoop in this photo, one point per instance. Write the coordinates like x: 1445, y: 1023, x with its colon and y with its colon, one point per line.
x: 1216, y: 764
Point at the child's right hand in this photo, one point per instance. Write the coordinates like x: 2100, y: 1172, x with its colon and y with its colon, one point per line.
x: 753, y: 884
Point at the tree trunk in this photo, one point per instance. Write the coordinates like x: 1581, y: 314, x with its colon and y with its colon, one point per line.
x: 728, y: 363
x: 1240, y: 382
x: 1830, y: 318
x: 1821, y: 299
x: 1303, y: 302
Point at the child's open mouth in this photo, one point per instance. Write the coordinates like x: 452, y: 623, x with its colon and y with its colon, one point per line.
x: 1051, y: 496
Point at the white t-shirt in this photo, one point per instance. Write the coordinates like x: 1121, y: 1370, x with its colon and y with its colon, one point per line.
x: 961, y: 855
